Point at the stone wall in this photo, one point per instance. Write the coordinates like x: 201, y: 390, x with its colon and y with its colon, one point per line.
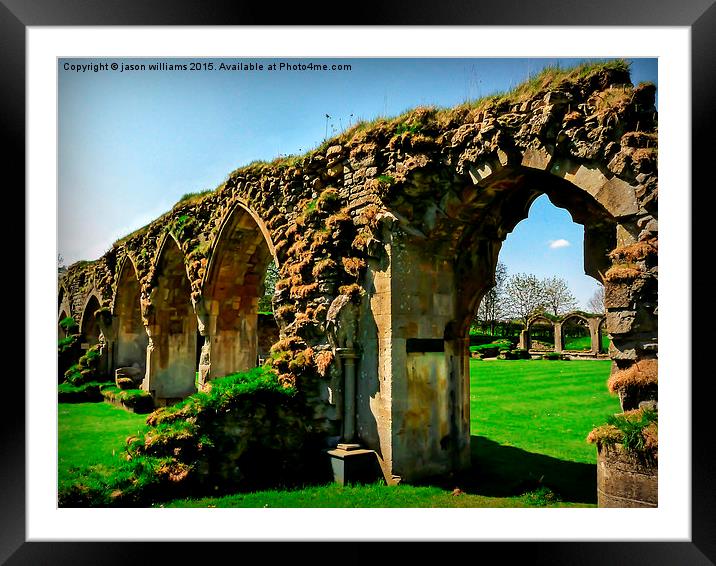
x: 401, y: 221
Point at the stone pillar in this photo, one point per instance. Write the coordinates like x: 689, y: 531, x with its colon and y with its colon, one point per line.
x: 207, y: 329
x: 595, y: 336
x: 558, y: 341
x: 171, y: 362
x: 525, y: 342
x: 348, y: 357
x: 426, y: 429
x: 108, y: 339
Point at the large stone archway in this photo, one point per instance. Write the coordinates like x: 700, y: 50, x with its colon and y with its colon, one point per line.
x: 387, y: 238
x: 172, y: 329
x: 130, y: 334
x: 233, y: 284
x: 89, y: 324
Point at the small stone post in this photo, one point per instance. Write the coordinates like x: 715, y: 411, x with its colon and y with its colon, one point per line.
x: 348, y: 357
x: 558, y: 342
x: 525, y: 342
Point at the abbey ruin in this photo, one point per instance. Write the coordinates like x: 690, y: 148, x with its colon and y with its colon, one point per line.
x: 386, y: 238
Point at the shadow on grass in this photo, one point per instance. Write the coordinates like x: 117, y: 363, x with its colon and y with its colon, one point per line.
x: 506, y: 471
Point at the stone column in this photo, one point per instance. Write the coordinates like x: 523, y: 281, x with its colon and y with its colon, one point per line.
x: 525, y: 342
x: 558, y: 341
x: 107, y: 328
x: 595, y: 336
x: 207, y: 329
x: 348, y: 357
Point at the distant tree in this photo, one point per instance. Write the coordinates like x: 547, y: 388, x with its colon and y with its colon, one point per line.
x: 596, y: 303
x: 61, y: 267
x: 492, y: 306
x: 557, y: 296
x: 524, y: 296
x: 269, y: 288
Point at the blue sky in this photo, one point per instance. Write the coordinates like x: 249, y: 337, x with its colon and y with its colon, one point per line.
x: 132, y: 143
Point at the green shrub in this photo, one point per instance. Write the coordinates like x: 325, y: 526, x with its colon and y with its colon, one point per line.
x: 515, y: 354
x: 631, y: 425
x: 69, y: 325
x: 73, y: 375
x: 246, y: 429
x: 540, y: 497
x: 553, y: 356
x: 137, y: 399
x: 87, y: 367
x: 84, y: 393
x: 521, y: 354
x: 67, y: 343
x: 637, y: 431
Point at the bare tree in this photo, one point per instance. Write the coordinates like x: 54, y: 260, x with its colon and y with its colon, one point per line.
x: 492, y: 306
x: 557, y: 296
x: 524, y: 295
x: 596, y: 303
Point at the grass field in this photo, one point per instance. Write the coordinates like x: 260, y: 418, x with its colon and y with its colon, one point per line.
x: 529, y: 421
x: 93, y: 433
x: 584, y: 343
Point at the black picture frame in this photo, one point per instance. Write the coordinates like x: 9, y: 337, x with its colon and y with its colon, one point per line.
x: 698, y: 15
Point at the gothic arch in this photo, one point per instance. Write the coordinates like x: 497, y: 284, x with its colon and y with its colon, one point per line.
x: 232, y: 286
x: 172, y: 327
x: 89, y: 325
x: 131, y: 339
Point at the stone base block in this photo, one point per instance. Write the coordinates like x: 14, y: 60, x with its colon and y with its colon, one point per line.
x: 352, y: 464
x: 623, y: 480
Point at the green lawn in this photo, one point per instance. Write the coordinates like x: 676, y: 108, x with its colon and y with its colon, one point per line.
x: 93, y: 433
x: 584, y: 343
x: 541, y: 406
x: 529, y: 420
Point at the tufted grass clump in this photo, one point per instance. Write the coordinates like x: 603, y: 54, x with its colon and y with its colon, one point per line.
x: 636, y: 431
x: 136, y: 399
x: 65, y: 344
x: 86, y: 392
x: 86, y: 369
x: 69, y: 325
x: 220, y: 393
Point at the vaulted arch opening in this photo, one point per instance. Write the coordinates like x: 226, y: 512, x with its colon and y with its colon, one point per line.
x: 89, y: 326
x: 541, y: 335
x: 443, y: 256
x: 237, y: 337
x: 61, y: 332
x: 131, y: 336
x: 173, y: 356
x: 576, y: 335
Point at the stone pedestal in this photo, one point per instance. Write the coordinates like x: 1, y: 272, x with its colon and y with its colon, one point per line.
x: 352, y: 464
x: 624, y: 480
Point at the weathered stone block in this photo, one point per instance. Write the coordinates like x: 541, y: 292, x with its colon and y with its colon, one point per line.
x: 589, y: 178
x: 618, y: 197
x: 625, y: 480
x: 618, y: 296
x: 620, y: 322
x: 537, y: 158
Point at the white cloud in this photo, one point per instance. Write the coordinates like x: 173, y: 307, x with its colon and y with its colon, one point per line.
x: 561, y: 243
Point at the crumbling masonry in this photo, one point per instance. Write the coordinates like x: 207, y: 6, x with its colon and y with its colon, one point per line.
x: 387, y: 238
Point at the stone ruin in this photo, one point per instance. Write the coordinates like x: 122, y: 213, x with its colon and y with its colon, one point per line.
x: 386, y: 238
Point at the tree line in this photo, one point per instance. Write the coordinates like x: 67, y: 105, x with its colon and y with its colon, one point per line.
x: 521, y: 296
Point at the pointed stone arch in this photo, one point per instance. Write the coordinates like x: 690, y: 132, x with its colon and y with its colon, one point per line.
x: 231, y: 288
x: 89, y: 325
x: 61, y: 332
x: 171, y: 326
x: 443, y: 255
x: 130, y: 334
